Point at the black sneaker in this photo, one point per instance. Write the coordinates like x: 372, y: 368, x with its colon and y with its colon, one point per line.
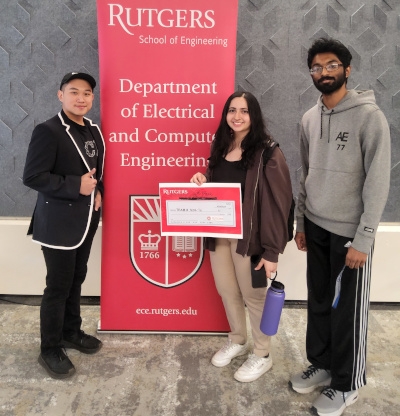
x: 83, y: 342
x: 56, y: 362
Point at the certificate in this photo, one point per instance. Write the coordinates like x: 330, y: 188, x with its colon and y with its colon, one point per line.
x: 209, y: 210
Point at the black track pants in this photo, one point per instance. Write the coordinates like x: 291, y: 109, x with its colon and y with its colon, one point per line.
x: 336, y: 337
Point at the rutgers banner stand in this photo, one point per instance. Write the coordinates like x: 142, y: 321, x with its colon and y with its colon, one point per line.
x: 166, y: 69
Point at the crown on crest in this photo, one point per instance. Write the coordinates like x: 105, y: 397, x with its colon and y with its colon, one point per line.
x: 149, y: 241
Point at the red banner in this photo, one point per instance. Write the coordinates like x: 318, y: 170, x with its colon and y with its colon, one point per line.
x: 166, y: 69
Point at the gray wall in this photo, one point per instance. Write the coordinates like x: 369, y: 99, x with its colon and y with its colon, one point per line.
x: 41, y: 40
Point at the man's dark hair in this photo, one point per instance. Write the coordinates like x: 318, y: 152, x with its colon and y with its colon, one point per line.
x: 334, y: 46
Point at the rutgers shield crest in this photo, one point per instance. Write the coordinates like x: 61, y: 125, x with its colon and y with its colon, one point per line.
x: 162, y: 261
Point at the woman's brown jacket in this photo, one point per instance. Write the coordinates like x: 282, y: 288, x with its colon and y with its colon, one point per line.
x: 265, y: 210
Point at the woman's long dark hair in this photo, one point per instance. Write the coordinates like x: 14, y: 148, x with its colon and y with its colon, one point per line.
x: 257, y: 137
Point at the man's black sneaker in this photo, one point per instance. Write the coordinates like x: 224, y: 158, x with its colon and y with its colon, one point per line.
x: 56, y: 362
x: 83, y: 342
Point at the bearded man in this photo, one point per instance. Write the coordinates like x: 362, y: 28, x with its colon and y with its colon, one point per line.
x: 345, y: 155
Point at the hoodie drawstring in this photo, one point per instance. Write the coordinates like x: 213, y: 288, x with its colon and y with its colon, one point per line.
x: 329, y: 126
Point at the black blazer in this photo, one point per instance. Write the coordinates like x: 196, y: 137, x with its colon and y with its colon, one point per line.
x: 54, y: 166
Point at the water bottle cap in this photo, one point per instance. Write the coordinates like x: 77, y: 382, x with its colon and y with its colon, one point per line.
x: 277, y: 285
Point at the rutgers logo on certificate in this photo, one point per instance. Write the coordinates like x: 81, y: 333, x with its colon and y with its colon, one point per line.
x: 209, y: 210
x: 165, y: 261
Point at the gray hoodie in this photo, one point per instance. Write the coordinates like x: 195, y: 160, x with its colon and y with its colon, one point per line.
x: 345, y: 155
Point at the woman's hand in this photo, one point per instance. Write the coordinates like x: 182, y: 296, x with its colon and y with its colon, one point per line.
x: 198, y: 178
x: 269, y: 267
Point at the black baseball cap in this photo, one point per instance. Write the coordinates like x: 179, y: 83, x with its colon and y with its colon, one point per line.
x: 78, y: 75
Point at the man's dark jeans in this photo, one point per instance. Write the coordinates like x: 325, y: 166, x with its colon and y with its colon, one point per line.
x: 60, y: 312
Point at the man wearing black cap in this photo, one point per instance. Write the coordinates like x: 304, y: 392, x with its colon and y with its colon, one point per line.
x: 65, y: 166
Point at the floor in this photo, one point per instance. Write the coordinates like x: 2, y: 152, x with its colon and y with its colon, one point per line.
x: 168, y: 375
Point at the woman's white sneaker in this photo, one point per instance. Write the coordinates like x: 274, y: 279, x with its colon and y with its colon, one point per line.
x: 253, y: 368
x: 230, y: 350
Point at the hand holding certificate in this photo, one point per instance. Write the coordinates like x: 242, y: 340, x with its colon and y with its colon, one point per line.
x: 212, y: 210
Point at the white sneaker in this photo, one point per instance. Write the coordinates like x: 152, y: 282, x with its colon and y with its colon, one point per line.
x: 253, y: 368
x: 230, y: 350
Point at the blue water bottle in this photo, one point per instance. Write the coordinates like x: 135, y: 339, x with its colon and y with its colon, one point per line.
x: 273, y: 308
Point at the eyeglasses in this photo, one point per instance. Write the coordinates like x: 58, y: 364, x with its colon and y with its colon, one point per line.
x: 317, y: 69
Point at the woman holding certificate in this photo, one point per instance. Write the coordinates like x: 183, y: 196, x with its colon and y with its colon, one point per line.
x: 238, y: 154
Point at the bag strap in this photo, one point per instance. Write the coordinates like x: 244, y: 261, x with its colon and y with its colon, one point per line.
x: 269, y: 150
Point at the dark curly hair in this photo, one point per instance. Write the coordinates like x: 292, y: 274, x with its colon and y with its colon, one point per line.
x: 257, y: 137
x: 324, y: 45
